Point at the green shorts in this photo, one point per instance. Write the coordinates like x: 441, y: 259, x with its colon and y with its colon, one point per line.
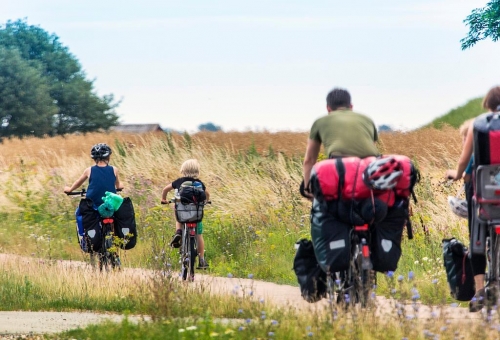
x: 199, y: 228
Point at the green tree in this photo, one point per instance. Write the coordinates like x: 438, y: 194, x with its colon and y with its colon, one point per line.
x: 79, y: 108
x: 26, y: 108
x: 209, y: 127
x: 483, y: 23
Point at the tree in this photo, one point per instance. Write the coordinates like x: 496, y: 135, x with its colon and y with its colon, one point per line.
x: 26, y: 108
x: 209, y: 127
x: 483, y: 23
x: 384, y: 128
x: 78, y: 107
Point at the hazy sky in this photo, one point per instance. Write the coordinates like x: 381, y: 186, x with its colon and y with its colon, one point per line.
x: 269, y: 64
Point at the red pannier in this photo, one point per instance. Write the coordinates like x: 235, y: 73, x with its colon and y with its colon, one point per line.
x: 327, y: 175
x: 487, y: 139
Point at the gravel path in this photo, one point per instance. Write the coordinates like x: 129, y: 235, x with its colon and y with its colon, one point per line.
x: 31, y: 323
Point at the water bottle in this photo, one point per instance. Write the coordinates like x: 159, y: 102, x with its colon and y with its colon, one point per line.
x: 365, y: 255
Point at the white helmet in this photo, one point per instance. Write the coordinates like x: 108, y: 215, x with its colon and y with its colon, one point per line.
x: 382, y: 173
x: 458, y: 206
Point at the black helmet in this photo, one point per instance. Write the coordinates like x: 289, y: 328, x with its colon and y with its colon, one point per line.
x: 100, y: 151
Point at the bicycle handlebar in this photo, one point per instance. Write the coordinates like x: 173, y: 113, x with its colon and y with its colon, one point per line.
x: 173, y: 200
x: 83, y: 192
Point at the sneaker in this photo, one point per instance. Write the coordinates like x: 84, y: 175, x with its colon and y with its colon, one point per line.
x: 203, y: 264
x: 176, y: 241
x: 477, y: 302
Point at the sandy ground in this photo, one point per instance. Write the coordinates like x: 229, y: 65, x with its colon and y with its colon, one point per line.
x: 21, y: 322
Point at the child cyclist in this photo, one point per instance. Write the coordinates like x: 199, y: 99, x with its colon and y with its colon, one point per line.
x: 102, y: 176
x: 190, y: 171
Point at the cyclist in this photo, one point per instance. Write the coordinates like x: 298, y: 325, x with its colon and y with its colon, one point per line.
x: 190, y: 171
x: 491, y: 102
x: 102, y: 176
x: 342, y: 132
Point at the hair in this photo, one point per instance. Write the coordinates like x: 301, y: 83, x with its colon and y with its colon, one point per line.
x: 338, y: 98
x: 464, y: 128
x: 492, y: 99
x: 190, y: 168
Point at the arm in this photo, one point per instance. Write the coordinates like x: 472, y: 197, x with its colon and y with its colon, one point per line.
x: 79, y: 181
x: 208, y: 195
x: 118, y: 184
x: 310, y: 158
x: 464, y: 158
x: 164, y: 193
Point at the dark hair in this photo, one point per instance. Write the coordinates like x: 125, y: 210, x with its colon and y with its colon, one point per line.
x: 338, y: 98
x: 492, y: 99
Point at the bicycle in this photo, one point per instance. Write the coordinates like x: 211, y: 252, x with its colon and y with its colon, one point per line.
x: 107, y: 255
x: 355, y: 284
x: 486, y: 225
x: 188, y: 250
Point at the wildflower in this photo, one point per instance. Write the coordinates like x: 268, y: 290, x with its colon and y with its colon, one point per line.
x: 250, y: 276
x: 214, y: 334
x: 411, y: 275
x: 248, y: 320
x: 270, y: 333
x: 394, y: 291
x: 425, y: 259
x: 390, y: 274
x: 310, y: 334
x: 454, y: 304
x: 230, y: 275
x: 416, y: 262
x: 181, y: 330
x: 229, y: 331
x: 401, y: 278
x: 241, y: 328
x: 250, y: 293
x: 191, y: 328
x: 263, y: 316
x: 261, y: 300
x: 435, y: 281
x: 274, y: 322
x: 240, y: 311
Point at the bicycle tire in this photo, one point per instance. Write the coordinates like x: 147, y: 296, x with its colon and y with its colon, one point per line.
x: 362, y: 281
x: 493, y: 259
x: 185, y: 253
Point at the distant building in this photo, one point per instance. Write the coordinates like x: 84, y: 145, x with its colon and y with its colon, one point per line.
x: 137, y: 128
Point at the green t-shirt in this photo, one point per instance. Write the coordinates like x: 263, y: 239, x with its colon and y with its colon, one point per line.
x: 346, y: 133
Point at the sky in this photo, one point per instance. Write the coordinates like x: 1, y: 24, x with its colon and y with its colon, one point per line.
x: 269, y: 64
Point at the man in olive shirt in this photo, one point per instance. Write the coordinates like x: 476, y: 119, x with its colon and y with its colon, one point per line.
x: 342, y: 132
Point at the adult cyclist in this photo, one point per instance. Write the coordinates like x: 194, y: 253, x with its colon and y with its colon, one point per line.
x: 343, y: 133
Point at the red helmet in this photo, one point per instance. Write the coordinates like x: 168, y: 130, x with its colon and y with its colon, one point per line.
x: 382, y: 173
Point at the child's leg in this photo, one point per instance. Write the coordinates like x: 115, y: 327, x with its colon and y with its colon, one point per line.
x: 201, y: 246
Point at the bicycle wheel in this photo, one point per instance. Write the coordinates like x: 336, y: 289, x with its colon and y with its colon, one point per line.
x: 493, y: 259
x: 185, y: 253
x: 362, y: 280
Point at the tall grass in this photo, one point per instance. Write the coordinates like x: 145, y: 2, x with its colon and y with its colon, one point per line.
x: 250, y: 229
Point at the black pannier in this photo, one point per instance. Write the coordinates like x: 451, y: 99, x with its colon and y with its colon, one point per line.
x: 125, y: 226
x: 458, y: 270
x: 92, y: 233
x: 311, y: 278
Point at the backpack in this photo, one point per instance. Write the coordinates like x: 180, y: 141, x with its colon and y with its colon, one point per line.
x: 192, y: 192
x: 458, y: 269
x: 486, y: 134
x: 189, y: 209
x: 311, y: 278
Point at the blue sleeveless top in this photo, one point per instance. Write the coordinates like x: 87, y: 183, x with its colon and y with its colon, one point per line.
x: 101, y: 179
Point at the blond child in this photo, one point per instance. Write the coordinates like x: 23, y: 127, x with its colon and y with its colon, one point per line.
x: 190, y: 171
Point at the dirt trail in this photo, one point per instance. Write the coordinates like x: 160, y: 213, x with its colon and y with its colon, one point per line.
x: 279, y: 295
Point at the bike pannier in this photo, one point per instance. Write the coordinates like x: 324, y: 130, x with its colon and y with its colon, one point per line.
x: 487, y: 139
x: 458, y: 270
x: 386, y: 239
x: 91, y: 239
x: 311, y: 278
x: 125, y: 227
x: 330, y: 237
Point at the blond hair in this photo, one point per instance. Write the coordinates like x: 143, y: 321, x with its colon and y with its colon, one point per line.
x: 464, y: 128
x: 190, y: 168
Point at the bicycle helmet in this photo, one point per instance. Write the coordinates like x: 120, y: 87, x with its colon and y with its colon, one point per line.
x: 100, y: 151
x: 458, y: 206
x: 382, y: 173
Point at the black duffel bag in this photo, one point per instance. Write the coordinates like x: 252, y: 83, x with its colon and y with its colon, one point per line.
x: 311, y: 278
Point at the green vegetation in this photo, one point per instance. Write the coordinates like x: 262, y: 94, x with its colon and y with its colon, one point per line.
x: 457, y: 116
x: 256, y: 217
x: 483, y: 23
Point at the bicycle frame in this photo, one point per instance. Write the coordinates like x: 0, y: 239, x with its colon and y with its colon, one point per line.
x: 354, y: 285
